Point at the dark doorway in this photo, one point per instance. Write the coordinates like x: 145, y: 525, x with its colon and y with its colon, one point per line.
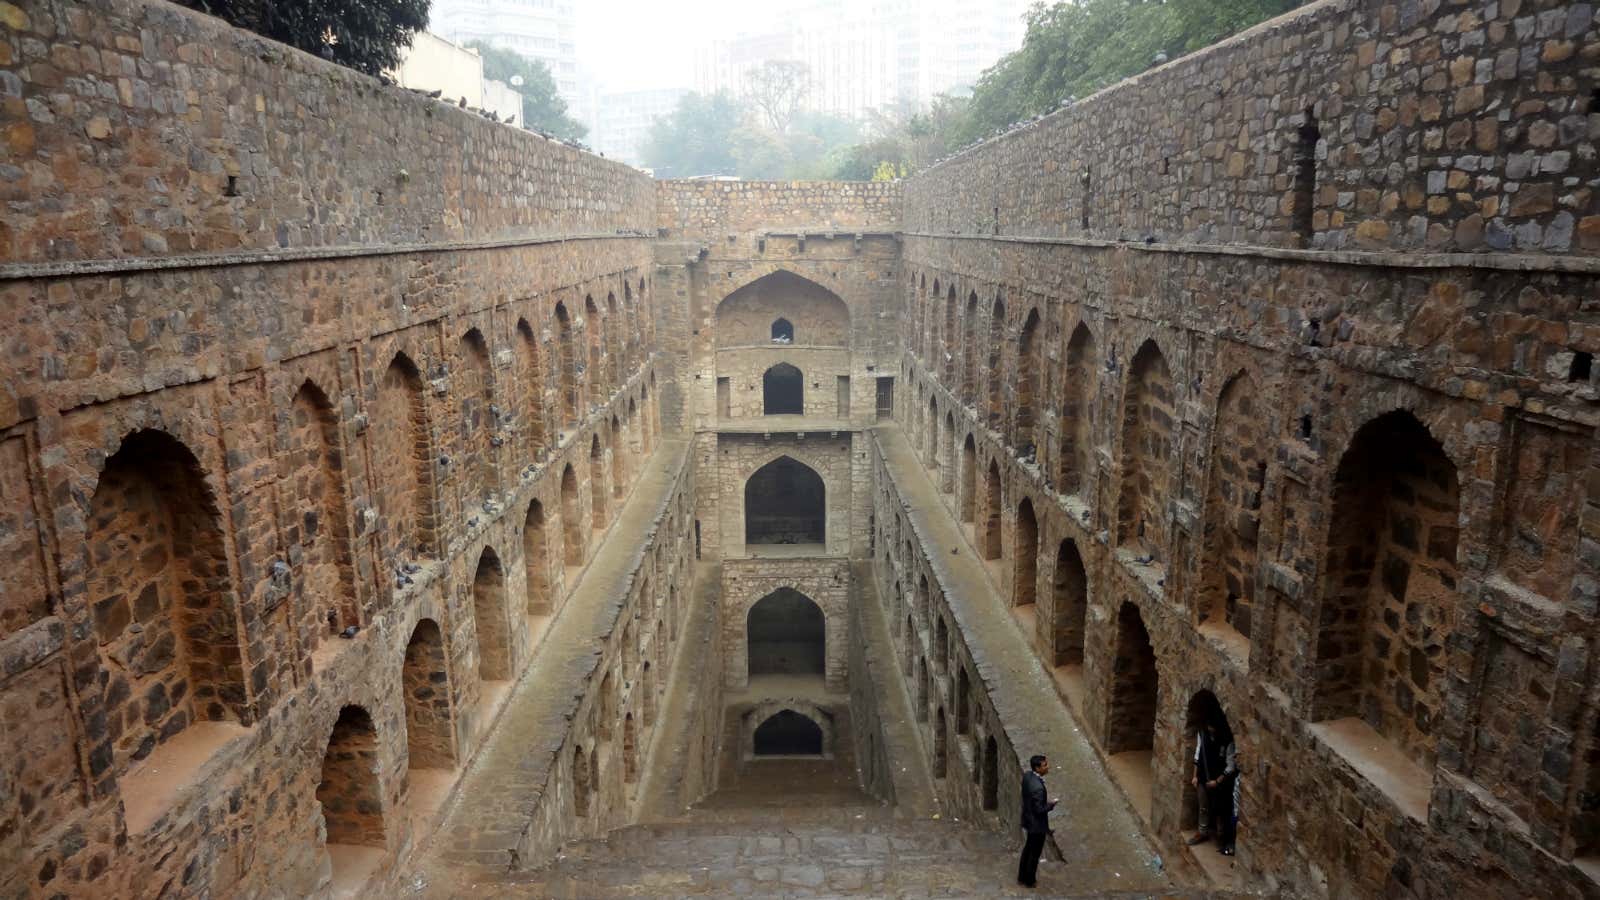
x: 788, y: 734
x: 782, y: 331
x: 783, y: 391
x: 784, y: 503
x: 787, y: 635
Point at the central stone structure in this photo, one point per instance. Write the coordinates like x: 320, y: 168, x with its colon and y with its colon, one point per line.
x: 394, y: 502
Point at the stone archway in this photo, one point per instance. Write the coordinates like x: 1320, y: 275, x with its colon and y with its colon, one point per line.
x: 786, y: 634
x: 783, y: 391
x: 785, y: 502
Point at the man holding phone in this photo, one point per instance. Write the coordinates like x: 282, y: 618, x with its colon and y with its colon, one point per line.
x: 1036, y: 807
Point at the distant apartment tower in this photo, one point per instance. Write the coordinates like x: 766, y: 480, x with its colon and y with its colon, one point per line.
x: 620, y: 121
x: 540, y: 29
x: 873, y: 53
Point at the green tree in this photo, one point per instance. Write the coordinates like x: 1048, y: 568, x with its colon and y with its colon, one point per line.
x: 776, y: 88
x: 697, y: 138
x: 1073, y: 49
x: 366, y: 35
x: 542, y: 106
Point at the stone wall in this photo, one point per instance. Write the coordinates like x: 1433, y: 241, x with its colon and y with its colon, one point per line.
x: 718, y: 210
x: 1348, y: 124
x: 1183, y: 479
x: 264, y: 392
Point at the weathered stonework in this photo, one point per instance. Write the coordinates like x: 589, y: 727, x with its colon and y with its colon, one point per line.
x: 332, y: 412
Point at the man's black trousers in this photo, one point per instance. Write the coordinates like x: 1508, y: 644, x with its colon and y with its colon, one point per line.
x: 1028, y: 870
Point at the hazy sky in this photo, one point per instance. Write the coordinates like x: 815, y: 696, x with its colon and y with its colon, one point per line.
x: 637, y: 44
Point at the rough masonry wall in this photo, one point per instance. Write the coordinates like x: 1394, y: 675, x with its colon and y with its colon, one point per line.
x: 263, y: 391
x: 1301, y: 480
x: 1439, y: 126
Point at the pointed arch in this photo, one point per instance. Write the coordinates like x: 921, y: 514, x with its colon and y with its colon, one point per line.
x: 566, y: 368
x: 783, y: 391
x: 536, y: 560
x: 425, y: 681
x: 571, y: 519
x: 400, y: 435
x: 597, y: 484
x: 1025, y: 568
x: 1135, y: 686
x: 1027, y: 384
x: 1389, y: 584
x: 968, y: 497
x: 1233, y: 506
x: 593, y: 326
x: 1069, y: 606
x: 989, y: 534
x: 475, y: 392
x: 786, y: 634
x: 619, y: 459
x: 1148, y: 418
x: 969, y: 352
x: 948, y: 336
x: 748, y: 315
x: 490, y: 614
x: 1077, y: 394
x: 530, y: 376
x: 322, y: 531
x: 997, y: 342
x: 163, y: 614
x: 612, y: 345
x: 785, y: 502
x: 348, y: 789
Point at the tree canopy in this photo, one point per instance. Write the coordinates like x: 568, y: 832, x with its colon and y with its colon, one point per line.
x: 366, y: 35
x: 542, y: 106
x: 697, y: 138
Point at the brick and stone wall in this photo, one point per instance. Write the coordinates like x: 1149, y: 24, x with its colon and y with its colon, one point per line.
x: 1291, y: 463
x: 264, y: 391
x: 1347, y: 124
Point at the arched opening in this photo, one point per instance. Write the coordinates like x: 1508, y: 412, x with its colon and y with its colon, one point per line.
x: 348, y: 790
x: 969, y: 353
x: 1135, y: 684
x: 941, y: 644
x: 1069, y: 606
x: 785, y: 503
x: 963, y: 701
x: 968, y: 496
x: 425, y: 679
x: 1233, y: 509
x: 948, y: 338
x: 910, y: 646
x: 923, y: 598
x: 1077, y: 394
x: 606, y: 708
x: 1204, y: 708
x: 400, y: 435
x: 788, y: 733
x: 1388, y: 603
x: 531, y: 378
x: 989, y: 538
x: 536, y: 560
x: 647, y: 682
x: 1148, y: 417
x: 930, y: 436
x: 612, y: 346
x: 1027, y: 384
x: 321, y: 531
x: 592, y: 333
x: 566, y: 367
x: 786, y: 634
x: 991, y: 774
x: 161, y: 599
x: 571, y: 520
x: 619, y: 461
x: 475, y: 391
x: 921, y: 711
x: 630, y: 750
x: 997, y: 343
x: 581, y: 781
x: 783, y: 391
x: 762, y: 311
x: 1025, y: 568
x: 940, y: 756
x: 597, y: 484
x: 947, y: 453
x: 489, y: 612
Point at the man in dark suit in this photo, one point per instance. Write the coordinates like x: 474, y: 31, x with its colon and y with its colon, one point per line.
x: 1035, y: 819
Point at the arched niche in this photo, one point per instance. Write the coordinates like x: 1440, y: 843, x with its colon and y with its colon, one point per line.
x: 783, y: 391
x: 785, y: 503
x: 816, y: 315
x: 786, y: 634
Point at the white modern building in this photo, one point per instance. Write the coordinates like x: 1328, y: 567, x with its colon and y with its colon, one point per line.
x: 545, y: 30
x: 620, y: 121
x: 870, y: 54
x: 432, y: 63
